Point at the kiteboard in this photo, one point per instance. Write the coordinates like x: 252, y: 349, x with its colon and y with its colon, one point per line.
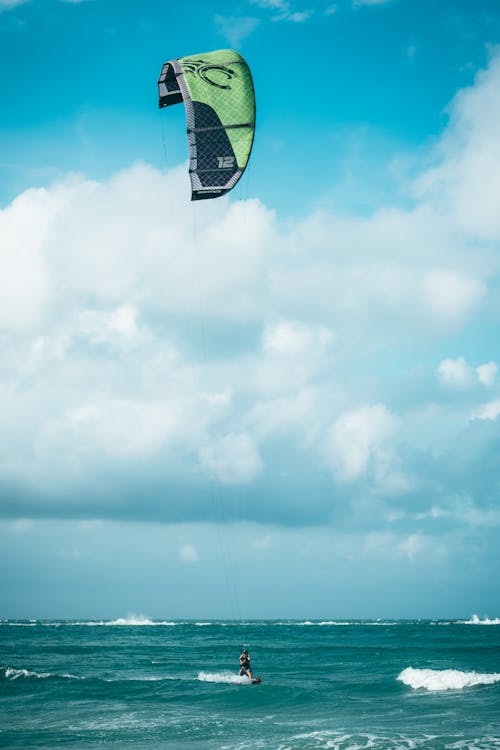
x: 255, y: 680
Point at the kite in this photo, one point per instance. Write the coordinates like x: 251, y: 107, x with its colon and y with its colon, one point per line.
x: 218, y: 94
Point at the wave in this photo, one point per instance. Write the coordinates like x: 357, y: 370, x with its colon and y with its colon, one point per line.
x: 225, y: 677
x: 340, y: 623
x: 475, y: 620
x: 138, y: 620
x: 11, y: 673
x: 130, y: 621
x: 322, y: 623
x: 434, y: 680
x: 363, y: 741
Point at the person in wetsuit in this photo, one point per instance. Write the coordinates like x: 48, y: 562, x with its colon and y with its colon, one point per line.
x: 245, y: 669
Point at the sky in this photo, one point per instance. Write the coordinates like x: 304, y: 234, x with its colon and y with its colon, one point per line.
x: 280, y: 403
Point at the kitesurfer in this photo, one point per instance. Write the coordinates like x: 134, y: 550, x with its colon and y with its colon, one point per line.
x: 245, y: 669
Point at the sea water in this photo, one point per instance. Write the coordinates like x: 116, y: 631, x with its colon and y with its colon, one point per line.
x: 138, y: 683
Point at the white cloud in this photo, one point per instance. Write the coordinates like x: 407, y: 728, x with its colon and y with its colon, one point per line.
x: 489, y: 411
x: 487, y: 373
x: 284, y: 10
x: 7, y: 4
x: 360, y: 3
x: 412, y: 546
x: 234, y: 459
x: 299, y: 16
x: 136, y: 338
x: 235, y: 28
x: 294, y: 339
x: 464, y: 184
x: 263, y: 543
x: 451, y: 296
x: 456, y: 372
x: 188, y: 554
x: 117, y: 327
x: 19, y: 526
x: 359, y: 440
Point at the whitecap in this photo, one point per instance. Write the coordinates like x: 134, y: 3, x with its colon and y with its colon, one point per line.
x: 475, y: 620
x: 131, y: 621
x: 434, y: 680
x: 11, y: 673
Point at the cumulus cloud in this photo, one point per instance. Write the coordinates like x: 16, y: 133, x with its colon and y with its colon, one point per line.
x: 489, y: 411
x: 487, y: 373
x: 142, y: 347
x: 464, y: 182
x: 234, y: 459
x: 457, y: 372
x: 359, y: 441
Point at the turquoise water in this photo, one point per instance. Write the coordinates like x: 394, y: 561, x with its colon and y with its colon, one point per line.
x: 339, y: 685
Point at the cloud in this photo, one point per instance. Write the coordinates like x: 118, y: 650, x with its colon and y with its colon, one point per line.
x: 361, y: 3
x: 234, y: 459
x: 284, y: 10
x: 464, y: 182
x: 455, y: 372
x: 489, y: 411
x: 148, y: 358
x: 360, y: 441
x: 8, y: 4
x: 236, y: 28
x: 487, y: 373
x: 458, y: 373
x: 412, y: 546
x: 188, y: 554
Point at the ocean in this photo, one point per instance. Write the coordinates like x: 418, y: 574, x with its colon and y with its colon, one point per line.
x: 342, y: 685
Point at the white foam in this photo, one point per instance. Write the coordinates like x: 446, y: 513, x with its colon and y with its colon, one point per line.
x: 15, y: 674
x: 322, y: 623
x: 130, y: 621
x: 474, y: 620
x: 224, y: 677
x: 338, y: 741
x: 342, y: 623
x: 434, y: 680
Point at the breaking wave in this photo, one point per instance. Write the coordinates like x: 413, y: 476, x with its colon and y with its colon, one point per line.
x: 11, y: 673
x: 434, y: 680
x: 475, y: 620
x: 131, y: 621
x: 339, y: 623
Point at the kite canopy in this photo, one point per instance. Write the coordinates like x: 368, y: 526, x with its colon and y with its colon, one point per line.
x: 218, y: 94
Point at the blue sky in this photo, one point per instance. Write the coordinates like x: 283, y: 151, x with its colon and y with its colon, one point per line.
x: 283, y: 403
